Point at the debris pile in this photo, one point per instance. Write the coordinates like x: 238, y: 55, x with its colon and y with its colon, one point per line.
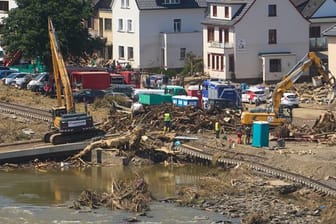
x: 134, y: 197
x: 311, y: 94
x: 185, y: 120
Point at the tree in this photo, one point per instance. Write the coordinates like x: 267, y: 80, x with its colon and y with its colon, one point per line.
x: 192, y: 64
x: 26, y: 27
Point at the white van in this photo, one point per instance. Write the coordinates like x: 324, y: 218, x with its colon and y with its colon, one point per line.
x: 252, y: 94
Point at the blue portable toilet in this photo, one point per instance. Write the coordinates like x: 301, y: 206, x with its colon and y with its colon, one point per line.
x: 260, y: 134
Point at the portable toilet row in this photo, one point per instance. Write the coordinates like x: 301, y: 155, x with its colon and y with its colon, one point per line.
x: 183, y: 101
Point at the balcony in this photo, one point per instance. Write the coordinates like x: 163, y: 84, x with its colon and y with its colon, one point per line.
x: 318, y: 44
x: 216, y: 44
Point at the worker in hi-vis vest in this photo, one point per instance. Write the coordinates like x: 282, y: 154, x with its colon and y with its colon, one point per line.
x: 217, y: 128
x: 166, y: 119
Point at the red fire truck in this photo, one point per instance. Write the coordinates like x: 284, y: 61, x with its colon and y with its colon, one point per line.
x: 90, y: 79
x: 131, y: 78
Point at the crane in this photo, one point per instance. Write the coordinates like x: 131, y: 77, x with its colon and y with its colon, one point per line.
x: 68, y: 125
x: 276, y: 114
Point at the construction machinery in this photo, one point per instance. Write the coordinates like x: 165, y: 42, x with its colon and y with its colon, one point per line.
x: 68, y: 125
x: 275, y: 113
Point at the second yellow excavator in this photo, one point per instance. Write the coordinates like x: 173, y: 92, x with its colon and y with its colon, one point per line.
x: 276, y: 114
x: 68, y: 125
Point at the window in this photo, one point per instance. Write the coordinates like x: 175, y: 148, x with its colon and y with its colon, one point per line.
x: 214, y: 10
x: 226, y: 35
x: 130, y: 53
x: 272, y: 36
x: 211, y: 32
x: 121, y: 52
x: 125, y: 4
x: 314, y: 32
x: 182, y: 53
x: 120, y: 25
x: 209, y: 60
x: 170, y: 2
x: 4, y: 6
x: 108, y: 24
x: 275, y: 65
x: 226, y: 12
x: 272, y: 10
x: 221, y: 35
x: 129, y: 25
x: 177, y: 25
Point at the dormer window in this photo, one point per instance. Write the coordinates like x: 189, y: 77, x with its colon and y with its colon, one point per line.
x: 214, y: 10
x: 171, y: 2
x: 226, y: 12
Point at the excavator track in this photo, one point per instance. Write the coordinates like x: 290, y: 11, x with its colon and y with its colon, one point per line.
x: 57, y: 138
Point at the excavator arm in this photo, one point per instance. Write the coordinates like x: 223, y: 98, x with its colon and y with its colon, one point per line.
x: 60, y: 73
x: 68, y: 125
x: 326, y: 75
x: 277, y: 115
x: 288, y: 81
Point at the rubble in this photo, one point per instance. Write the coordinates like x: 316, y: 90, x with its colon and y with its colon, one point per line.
x: 185, y: 120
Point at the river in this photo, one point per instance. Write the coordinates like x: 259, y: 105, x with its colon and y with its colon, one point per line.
x: 44, y: 196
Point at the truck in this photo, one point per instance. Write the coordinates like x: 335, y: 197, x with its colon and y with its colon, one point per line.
x: 275, y: 113
x: 221, y: 94
x: 131, y: 78
x: 98, y: 80
x: 67, y: 125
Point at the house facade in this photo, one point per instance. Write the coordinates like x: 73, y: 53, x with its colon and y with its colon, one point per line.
x: 322, y: 15
x: 253, y: 40
x: 100, y: 25
x: 330, y: 34
x: 157, y: 33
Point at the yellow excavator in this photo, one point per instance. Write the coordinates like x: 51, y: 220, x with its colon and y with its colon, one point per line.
x: 68, y: 125
x: 276, y: 114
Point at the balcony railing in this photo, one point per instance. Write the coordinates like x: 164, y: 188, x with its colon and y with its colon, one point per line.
x: 318, y: 44
x: 216, y: 44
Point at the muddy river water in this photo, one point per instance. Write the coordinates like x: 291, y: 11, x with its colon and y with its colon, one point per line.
x: 44, y: 196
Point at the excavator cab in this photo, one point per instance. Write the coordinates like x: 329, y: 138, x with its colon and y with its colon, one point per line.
x: 58, y: 111
x: 286, y: 112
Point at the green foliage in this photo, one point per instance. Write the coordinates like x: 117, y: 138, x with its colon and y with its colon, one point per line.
x: 26, y: 28
x: 192, y: 64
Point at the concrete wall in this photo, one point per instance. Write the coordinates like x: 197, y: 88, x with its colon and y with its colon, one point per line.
x: 332, y: 54
x: 252, y: 30
x: 155, y: 22
x: 126, y: 38
x: 173, y: 42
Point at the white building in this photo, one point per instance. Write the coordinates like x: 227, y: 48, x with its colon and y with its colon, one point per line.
x: 322, y: 15
x: 157, y: 33
x: 257, y: 40
x: 5, y: 7
x: 331, y: 35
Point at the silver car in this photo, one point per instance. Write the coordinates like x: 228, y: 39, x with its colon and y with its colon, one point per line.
x: 290, y: 99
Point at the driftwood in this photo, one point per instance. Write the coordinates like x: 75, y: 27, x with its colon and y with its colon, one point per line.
x: 133, y: 197
x: 129, y: 141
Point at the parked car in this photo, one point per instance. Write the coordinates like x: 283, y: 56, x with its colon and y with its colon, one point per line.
x: 290, y: 100
x: 88, y: 95
x: 37, y: 84
x: 10, y: 78
x: 121, y: 88
x: 21, y: 82
x: 4, y: 68
x: 253, y: 94
x: 5, y: 73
